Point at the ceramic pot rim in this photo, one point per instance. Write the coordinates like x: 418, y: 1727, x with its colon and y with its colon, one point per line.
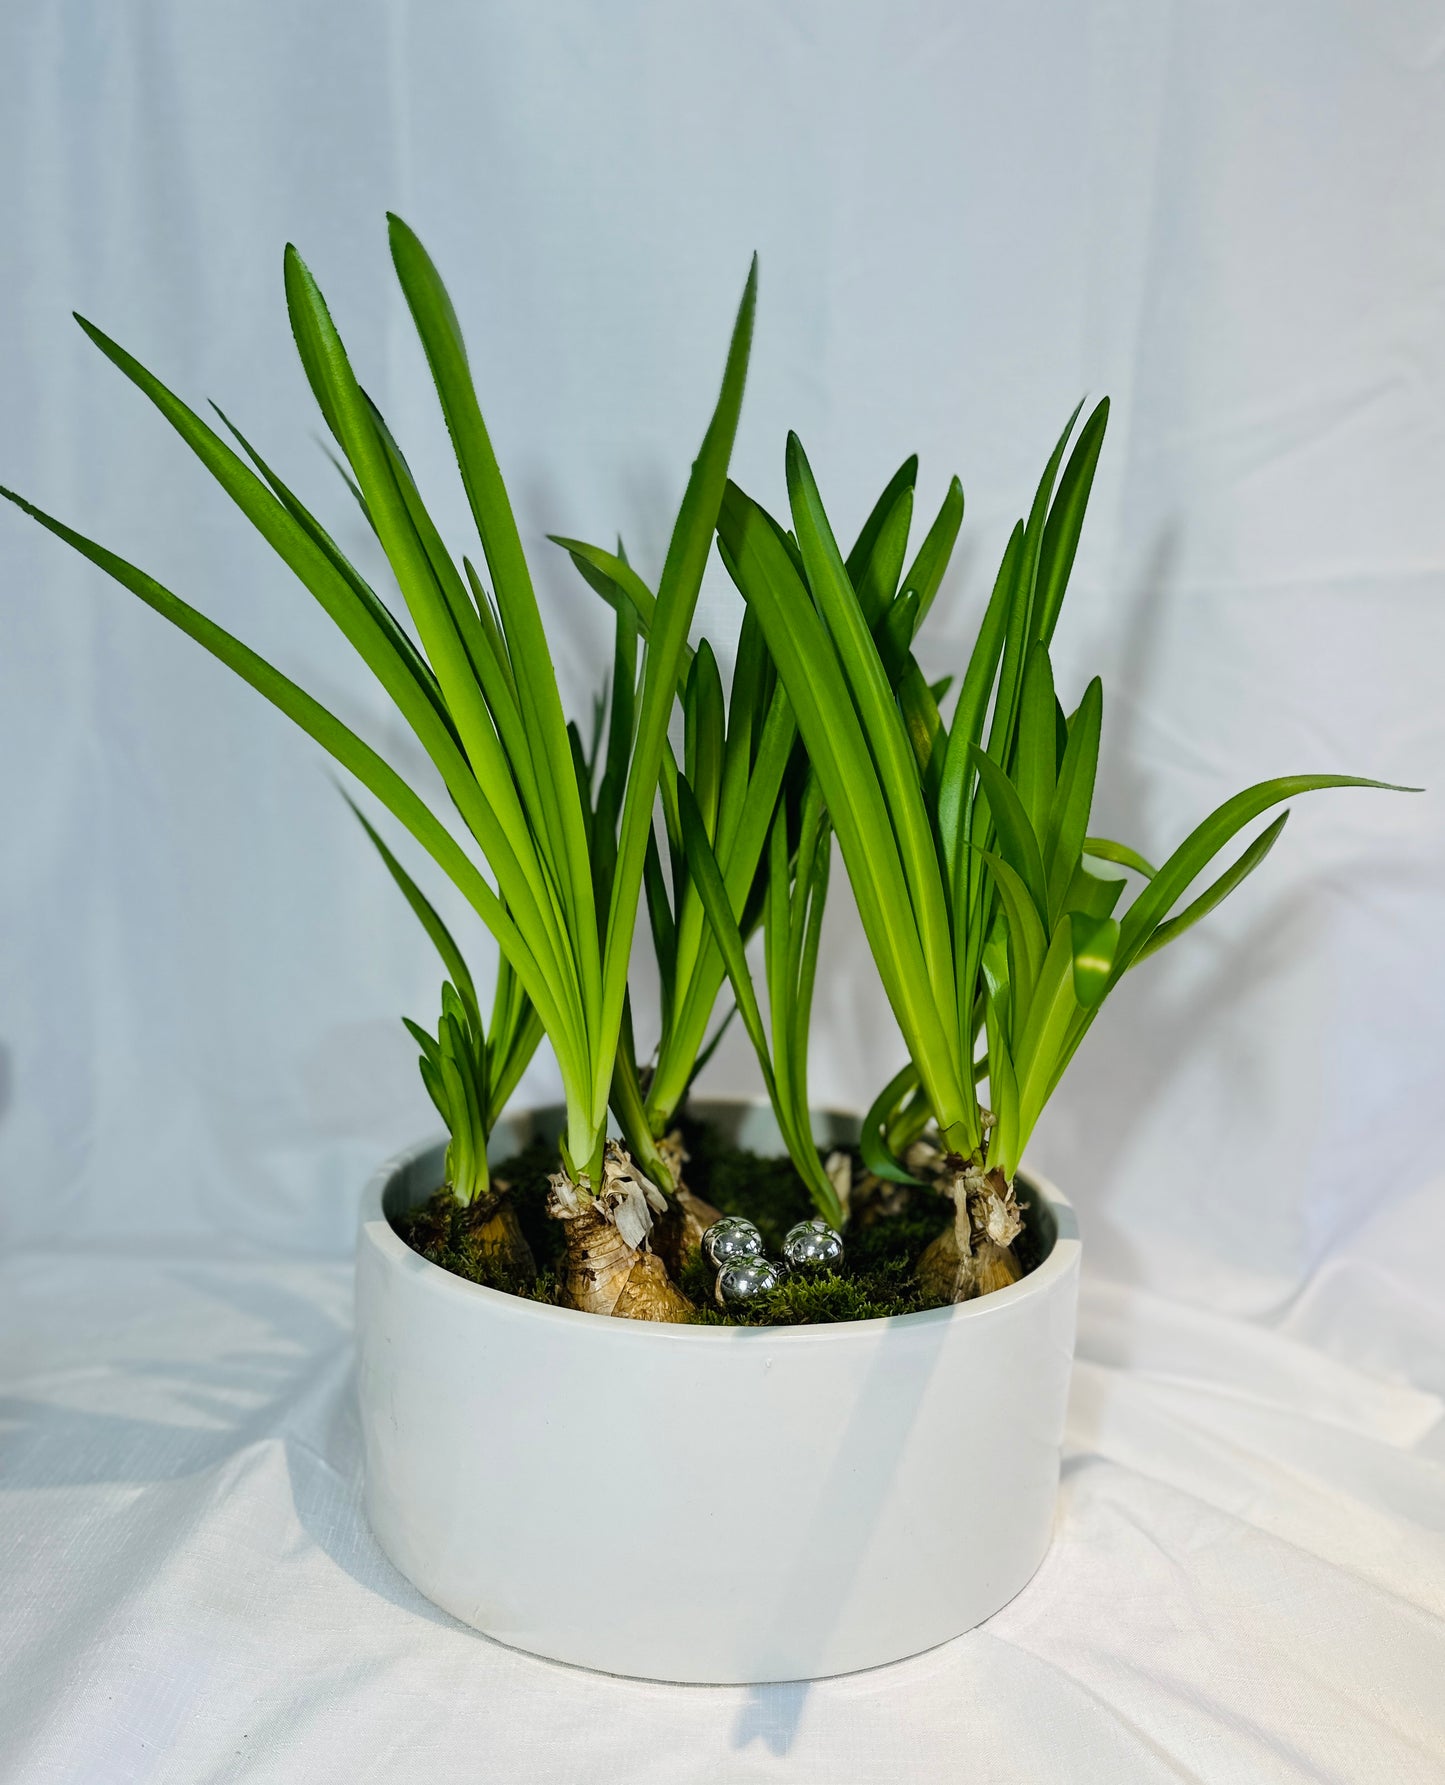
x: 377, y: 1232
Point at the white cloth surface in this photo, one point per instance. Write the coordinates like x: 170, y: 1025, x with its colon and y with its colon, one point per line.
x: 1247, y: 1584
x: 1228, y: 216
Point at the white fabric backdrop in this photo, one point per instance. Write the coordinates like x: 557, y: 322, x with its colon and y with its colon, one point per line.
x: 1230, y: 217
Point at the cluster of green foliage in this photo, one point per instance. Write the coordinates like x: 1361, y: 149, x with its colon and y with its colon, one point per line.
x: 967, y: 840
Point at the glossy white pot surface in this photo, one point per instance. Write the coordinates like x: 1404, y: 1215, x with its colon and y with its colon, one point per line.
x: 711, y: 1504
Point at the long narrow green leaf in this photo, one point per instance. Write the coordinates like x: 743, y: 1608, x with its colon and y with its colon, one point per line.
x: 545, y: 726
x: 702, y: 865
x: 426, y: 914
x: 1019, y: 635
x: 338, y: 740
x: 612, y: 577
x: 882, y: 723
x: 1204, y: 842
x: 1068, y: 820
x: 664, y: 929
x: 677, y: 593
x: 808, y: 666
x: 386, y: 621
x: 1104, y: 849
x: 1066, y: 519
x: 877, y: 583
x: 364, y: 629
x: 901, y: 483
x: 925, y: 574
x: 1045, y: 1030
x: 872, y: 1137
x: 1028, y: 940
x: 506, y: 836
x: 1017, y: 841
x: 704, y: 740
x: 1034, y: 775
x: 1216, y: 893
x: 968, y: 717
x: 925, y: 729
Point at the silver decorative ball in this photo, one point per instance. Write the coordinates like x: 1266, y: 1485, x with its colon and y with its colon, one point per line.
x: 732, y: 1237
x: 745, y: 1279
x: 813, y: 1245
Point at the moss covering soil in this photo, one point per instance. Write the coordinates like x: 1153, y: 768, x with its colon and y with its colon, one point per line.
x: 877, y: 1278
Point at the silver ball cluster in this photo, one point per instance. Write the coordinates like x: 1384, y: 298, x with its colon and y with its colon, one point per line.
x: 734, y: 1248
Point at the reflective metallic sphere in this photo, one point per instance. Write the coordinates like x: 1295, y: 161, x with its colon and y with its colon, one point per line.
x: 730, y: 1238
x: 813, y: 1245
x: 745, y: 1279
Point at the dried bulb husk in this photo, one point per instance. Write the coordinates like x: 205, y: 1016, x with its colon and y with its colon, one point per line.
x: 688, y: 1216
x: 608, y: 1266
x: 974, y: 1254
x: 493, y: 1220
x: 838, y: 1169
x: 875, y: 1199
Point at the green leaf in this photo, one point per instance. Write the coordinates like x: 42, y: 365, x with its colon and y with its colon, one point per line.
x: 431, y: 1077
x: 1094, y: 944
x: 1037, y: 755
x: 664, y: 930
x: 702, y: 865
x: 541, y: 707
x: 925, y: 728
x: 1028, y: 939
x: 710, y: 1046
x: 968, y: 717
x: 1044, y: 1031
x: 340, y: 742
x: 621, y: 714
x: 426, y: 915
x: 1203, y: 843
x: 386, y: 621
x: 872, y: 1139
x: 1103, y: 849
x: 682, y: 574
x: 612, y: 577
x: 878, y: 583
x: 1017, y: 841
x: 1092, y: 896
x: 899, y: 485
x: 1066, y: 519
x: 809, y: 668
x: 1068, y: 820
x: 1019, y: 636
x: 882, y: 723
x: 894, y: 636
x: 926, y: 572
x: 499, y: 820
x: 1003, y: 1094
x: 704, y: 734
x: 371, y: 631
x: 1216, y: 893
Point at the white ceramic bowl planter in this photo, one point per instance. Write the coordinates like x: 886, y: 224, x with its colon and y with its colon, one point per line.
x: 712, y: 1504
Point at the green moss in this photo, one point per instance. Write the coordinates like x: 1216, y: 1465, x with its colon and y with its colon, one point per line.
x: 877, y: 1279
x: 444, y: 1232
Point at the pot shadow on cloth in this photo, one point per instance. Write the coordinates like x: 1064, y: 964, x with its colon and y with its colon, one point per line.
x: 298, y: 1393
